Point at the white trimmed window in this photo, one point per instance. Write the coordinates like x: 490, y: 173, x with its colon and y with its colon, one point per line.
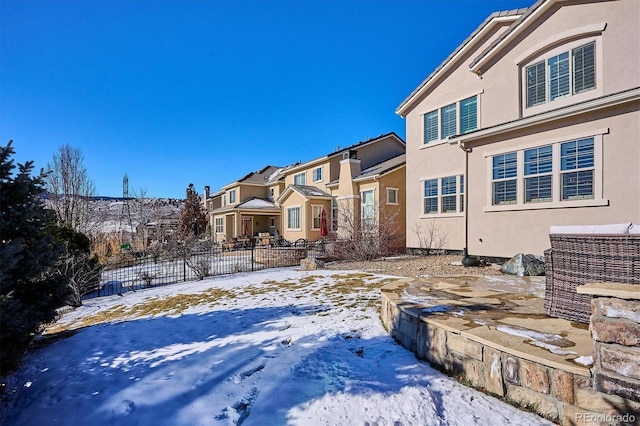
x: 448, y: 121
x: 443, y: 195
x: 576, y: 169
x: 367, y: 209
x: 317, y: 174
x: 232, y: 196
x: 538, y: 174
x: 457, y: 118
x: 504, y: 183
x: 334, y: 214
x: 316, y: 214
x: 300, y: 179
x: 561, y: 75
x: 293, y: 218
x: 219, y: 225
x: 561, y: 174
x: 392, y: 195
x: 431, y: 127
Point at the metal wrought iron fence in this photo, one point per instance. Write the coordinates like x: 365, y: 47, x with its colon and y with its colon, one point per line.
x: 134, y: 272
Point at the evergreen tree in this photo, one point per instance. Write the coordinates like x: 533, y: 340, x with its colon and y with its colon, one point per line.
x: 193, y: 220
x: 31, y: 284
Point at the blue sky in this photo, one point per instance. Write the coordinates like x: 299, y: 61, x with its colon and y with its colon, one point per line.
x: 177, y: 92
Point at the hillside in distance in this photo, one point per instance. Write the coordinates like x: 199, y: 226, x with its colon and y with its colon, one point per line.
x: 111, y: 214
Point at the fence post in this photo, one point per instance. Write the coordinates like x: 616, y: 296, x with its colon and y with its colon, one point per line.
x: 184, y: 269
x: 252, y: 254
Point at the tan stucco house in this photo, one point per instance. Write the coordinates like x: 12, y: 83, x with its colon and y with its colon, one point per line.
x: 247, y: 206
x: 362, y: 181
x: 532, y: 121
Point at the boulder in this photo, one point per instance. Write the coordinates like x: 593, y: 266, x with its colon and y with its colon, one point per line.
x: 524, y: 265
x: 311, y: 264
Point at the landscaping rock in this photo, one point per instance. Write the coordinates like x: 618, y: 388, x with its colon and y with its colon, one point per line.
x: 524, y: 265
x: 311, y: 264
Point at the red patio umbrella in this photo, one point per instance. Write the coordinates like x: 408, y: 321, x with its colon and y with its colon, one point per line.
x: 245, y: 226
x: 324, y: 231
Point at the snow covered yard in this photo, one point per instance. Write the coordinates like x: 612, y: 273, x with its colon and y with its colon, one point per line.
x: 265, y: 348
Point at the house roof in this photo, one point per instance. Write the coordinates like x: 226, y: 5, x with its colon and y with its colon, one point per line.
x: 383, y: 167
x: 493, y: 19
x: 377, y: 169
x: 305, y: 190
x: 526, y: 18
x: 265, y: 176
x: 365, y: 142
x: 339, y: 150
x: 254, y: 203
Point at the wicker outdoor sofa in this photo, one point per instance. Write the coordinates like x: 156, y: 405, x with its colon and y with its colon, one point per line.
x: 584, y: 254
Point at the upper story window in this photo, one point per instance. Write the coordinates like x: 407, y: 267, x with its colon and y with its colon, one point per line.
x: 272, y: 193
x: 317, y: 174
x: 300, y: 179
x: 456, y: 118
x: 232, y: 196
x: 563, y: 74
x: 448, y: 121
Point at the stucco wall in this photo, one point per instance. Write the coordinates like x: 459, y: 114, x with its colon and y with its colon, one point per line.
x: 613, y: 26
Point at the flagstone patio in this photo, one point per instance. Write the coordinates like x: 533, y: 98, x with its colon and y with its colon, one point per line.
x: 490, y: 331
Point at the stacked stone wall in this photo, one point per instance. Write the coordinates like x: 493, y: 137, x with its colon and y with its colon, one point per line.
x: 604, y: 397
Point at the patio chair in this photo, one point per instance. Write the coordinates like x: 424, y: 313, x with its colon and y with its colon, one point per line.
x: 587, y: 254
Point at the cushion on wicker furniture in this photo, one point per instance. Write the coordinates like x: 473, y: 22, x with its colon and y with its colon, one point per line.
x: 613, y: 228
x: 577, y: 259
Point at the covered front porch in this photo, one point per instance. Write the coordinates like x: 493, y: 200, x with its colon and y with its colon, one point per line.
x: 245, y: 221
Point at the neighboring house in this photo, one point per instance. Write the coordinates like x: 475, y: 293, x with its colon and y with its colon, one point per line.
x: 532, y: 121
x: 347, y: 184
x: 246, y: 207
x: 365, y: 180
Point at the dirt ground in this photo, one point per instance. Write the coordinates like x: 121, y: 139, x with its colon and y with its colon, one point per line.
x: 415, y: 266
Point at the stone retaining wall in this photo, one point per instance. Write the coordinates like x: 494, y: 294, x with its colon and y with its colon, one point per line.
x: 569, y: 397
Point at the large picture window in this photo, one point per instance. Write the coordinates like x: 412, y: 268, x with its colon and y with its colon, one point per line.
x: 561, y: 75
x: 562, y: 174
